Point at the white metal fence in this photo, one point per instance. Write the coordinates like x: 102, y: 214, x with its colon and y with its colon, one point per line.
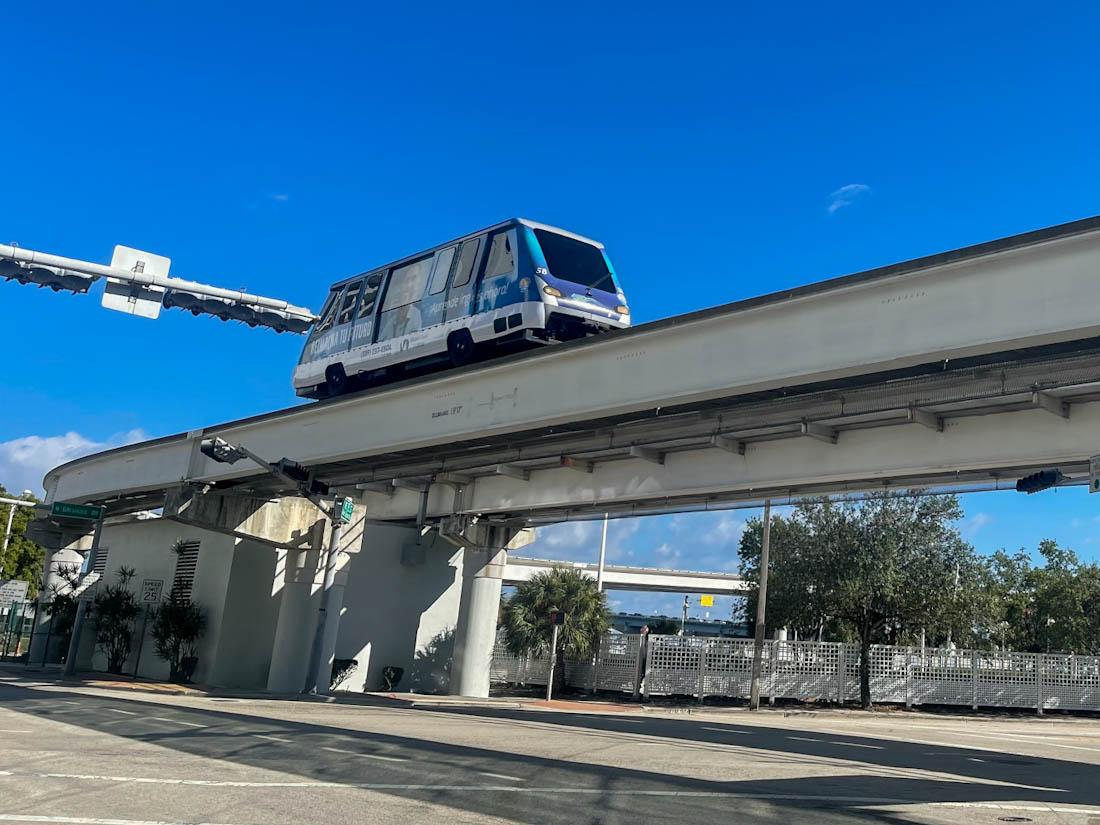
x: 823, y: 671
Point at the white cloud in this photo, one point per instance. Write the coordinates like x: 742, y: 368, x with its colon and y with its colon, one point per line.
x: 727, y: 531
x: 976, y: 522
x: 847, y: 195
x: 24, y: 461
x: 281, y: 198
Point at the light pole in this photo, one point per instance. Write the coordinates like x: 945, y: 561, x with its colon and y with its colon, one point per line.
x: 12, y: 504
x: 761, y: 602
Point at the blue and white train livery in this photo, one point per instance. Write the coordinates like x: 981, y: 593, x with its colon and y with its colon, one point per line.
x: 510, y: 286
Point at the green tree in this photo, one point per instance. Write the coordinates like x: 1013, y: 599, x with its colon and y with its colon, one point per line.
x: 115, y: 610
x: 1047, y: 609
x: 526, y: 616
x: 23, y: 558
x: 879, y: 571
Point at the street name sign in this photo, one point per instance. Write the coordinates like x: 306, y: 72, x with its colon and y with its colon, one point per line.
x: 83, y: 511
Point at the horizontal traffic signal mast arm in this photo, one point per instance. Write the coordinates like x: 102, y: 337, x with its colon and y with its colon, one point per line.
x: 70, y: 274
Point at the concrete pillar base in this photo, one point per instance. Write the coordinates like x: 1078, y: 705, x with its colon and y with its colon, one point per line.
x: 482, y: 576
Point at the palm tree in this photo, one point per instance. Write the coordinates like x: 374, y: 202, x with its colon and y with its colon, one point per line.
x: 526, y: 616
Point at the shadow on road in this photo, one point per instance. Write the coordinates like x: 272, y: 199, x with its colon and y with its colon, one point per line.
x: 455, y: 775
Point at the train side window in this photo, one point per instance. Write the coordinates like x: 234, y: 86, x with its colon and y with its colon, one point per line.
x: 347, y: 307
x: 401, y: 303
x: 467, y: 258
x: 329, y: 313
x: 501, y: 260
x: 407, y: 283
x: 370, y: 293
x: 443, y: 263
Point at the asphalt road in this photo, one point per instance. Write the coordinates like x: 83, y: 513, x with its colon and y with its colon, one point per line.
x: 84, y: 755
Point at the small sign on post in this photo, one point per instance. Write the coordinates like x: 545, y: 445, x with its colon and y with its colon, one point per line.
x: 1094, y: 474
x: 151, y: 590
x: 345, y: 508
x: 706, y: 601
x: 12, y: 590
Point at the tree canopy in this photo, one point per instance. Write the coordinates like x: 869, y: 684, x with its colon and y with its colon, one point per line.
x: 879, y: 571
x: 23, y: 558
x: 526, y: 616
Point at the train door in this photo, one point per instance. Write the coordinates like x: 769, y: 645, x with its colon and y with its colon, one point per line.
x: 460, y: 297
x: 433, y: 304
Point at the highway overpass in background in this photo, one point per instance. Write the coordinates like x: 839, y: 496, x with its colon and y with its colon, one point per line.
x: 964, y: 370
x: 643, y: 579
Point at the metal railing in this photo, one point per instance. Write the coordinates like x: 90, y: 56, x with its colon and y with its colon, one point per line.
x: 821, y: 671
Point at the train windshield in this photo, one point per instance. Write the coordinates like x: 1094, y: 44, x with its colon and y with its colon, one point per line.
x: 575, y: 261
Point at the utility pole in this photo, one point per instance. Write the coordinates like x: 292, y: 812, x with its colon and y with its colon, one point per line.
x: 684, y: 618
x: 761, y: 602
x: 603, y: 554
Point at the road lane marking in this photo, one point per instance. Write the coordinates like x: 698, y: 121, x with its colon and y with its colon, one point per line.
x: 857, y: 745
x: 1015, y: 737
x: 116, y: 710
x: 503, y: 776
x: 177, y: 722
x: 273, y: 738
x: 519, y: 789
x: 805, y: 739
x: 725, y: 730
x: 366, y: 755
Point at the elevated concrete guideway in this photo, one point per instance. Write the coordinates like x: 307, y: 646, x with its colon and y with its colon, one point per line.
x: 958, y: 368
x: 644, y: 579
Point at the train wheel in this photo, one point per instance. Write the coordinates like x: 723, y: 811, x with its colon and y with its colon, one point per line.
x: 336, y: 380
x: 460, y: 348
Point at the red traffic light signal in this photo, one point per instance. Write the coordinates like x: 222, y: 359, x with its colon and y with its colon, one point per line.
x: 557, y: 617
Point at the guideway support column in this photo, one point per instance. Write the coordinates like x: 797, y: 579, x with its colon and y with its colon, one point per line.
x: 482, y: 576
x: 63, y: 548
x: 485, y: 553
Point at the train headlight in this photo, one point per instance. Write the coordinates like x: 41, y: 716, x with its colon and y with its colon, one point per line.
x: 622, y: 310
x: 552, y: 292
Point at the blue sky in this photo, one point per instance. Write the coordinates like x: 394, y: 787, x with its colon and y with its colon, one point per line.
x: 719, y: 151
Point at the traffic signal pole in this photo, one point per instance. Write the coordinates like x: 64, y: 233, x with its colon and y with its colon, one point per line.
x: 82, y: 604
x: 328, y: 620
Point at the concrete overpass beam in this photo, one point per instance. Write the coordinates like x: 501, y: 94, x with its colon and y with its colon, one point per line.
x: 287, y: 522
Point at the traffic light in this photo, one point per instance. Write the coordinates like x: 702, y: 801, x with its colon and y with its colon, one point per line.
x: 226, y: 310
x: 557, y: 617
x: 56, y: 279
x: 304, y: 478
x: 1042, y: 480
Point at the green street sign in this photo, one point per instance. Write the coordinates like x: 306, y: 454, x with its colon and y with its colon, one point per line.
x: 85, y: 511
x: 347, y: 508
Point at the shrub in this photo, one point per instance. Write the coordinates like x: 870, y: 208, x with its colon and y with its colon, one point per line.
x: 178, y: 624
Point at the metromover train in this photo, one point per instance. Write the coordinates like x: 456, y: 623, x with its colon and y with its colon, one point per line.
x: 514, y: 285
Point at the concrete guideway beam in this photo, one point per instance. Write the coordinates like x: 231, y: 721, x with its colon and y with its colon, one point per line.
x: 864, y: 459
x: 1022, y: 292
